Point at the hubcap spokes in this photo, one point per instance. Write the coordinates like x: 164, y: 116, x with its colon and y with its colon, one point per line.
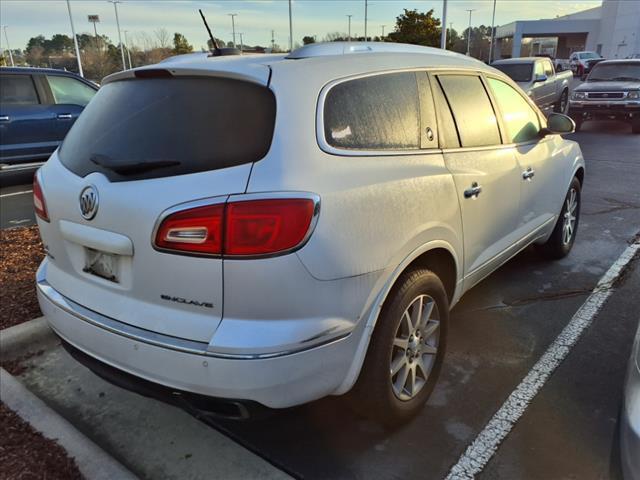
x: 414, y: 347
x: 569, y: 224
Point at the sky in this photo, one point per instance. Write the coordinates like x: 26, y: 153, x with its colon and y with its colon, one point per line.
x: 255, y: 18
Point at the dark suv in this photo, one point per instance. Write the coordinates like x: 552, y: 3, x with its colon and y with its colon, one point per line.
x: 612, y: 91
x: 37, y: 108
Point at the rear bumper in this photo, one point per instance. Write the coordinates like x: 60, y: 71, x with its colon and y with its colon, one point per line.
x: 276, y: 382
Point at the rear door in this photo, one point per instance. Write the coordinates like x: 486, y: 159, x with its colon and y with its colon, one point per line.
x: 486, y: 174
x: 69, y: 95
x: 145, y: 147
x: 27, y: 131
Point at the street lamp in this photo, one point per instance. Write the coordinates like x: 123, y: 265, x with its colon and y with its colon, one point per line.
x: 290, y: 28
x: 469, y: 32
x: 126, y: 41
x: 115, y: 7
x: 349, y: 26
x: 6, y: 37
x: 233, y: 27
x: 443, y: 36
x: 493, y: 28
x: 241, y: 42
x: 382, y: 37
x: 75, y: 40
x: 366, y: 4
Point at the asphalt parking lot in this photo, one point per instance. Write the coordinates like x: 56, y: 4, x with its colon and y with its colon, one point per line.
x: 497, y: 333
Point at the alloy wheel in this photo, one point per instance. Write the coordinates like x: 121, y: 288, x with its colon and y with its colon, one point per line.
x: 569, y: 224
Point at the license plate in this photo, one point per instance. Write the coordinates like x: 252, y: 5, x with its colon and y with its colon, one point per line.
x: 101, y: 264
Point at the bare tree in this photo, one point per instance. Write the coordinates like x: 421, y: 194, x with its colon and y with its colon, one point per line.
x: 163, y: 37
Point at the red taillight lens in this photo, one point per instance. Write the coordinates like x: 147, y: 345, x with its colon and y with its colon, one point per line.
x: 196, y: 230
x: 39, y: 204
x: 260, y: 227
x: 244, y: 228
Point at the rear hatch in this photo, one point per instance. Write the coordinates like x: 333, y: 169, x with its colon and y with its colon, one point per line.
x: 142, y: 146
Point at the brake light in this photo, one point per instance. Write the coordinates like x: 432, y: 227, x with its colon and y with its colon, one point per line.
x: 39, y: 204
x: 238, y: 229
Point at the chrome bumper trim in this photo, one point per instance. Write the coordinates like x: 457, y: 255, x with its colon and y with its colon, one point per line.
x: 153, y: 338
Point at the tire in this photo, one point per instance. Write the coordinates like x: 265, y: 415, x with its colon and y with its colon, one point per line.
x: 378, y: 393
x: 562, y: 239
x: 578, y: 121
x: 563, y: 103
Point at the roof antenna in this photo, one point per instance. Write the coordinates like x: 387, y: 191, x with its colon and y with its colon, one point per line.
x: 217, y: 51
x: 214, y: 44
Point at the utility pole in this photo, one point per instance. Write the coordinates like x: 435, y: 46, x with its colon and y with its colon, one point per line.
x: 115, y: 7
x: 290, y: 29
x: 241, y: 42
x: 349, y: 16
x: 443, y: 36
x: 273, y: 41
x: 493, y: 29
x: 469, y: 32
x: 6, y: 37
x: 233, y: 27
x: 75, y: 40
x: 365, y: 19
x: 126, y: 40
x: 382, y: 37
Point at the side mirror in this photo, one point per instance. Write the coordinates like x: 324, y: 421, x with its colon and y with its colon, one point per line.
x: 557, y: 123
x: 541, y: 77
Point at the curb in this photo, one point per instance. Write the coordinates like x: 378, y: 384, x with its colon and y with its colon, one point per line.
x: 93, y: 462
x: 27, y: 337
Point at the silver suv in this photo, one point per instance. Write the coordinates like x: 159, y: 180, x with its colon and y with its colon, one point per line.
x: 276, y: 228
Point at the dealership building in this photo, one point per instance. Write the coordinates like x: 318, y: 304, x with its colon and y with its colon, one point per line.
x: 612, y: 30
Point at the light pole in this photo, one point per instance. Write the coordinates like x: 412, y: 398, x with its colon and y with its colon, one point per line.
x: 233, y: 27
x: 241, y: 42
x: 382, y: 37
x: 493, y: 29
x: 469, y: 32
x: 6, y: 37
x: 366, y: 4
x: 126, y: 40
x: 115, y: 7
x: 290, y: 29
x: 443, y: 36
x: 75, y: 40
x: 349, y: 16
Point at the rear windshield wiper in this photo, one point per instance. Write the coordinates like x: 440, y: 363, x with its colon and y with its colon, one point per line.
x: 132, y: 168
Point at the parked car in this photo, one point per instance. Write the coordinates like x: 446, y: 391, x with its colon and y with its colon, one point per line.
x: 630, y: 416
x: 581, y: 62
x: 37, y: 108
x: 304, y: 228
x: 538, y: 78
x: 612, y: 91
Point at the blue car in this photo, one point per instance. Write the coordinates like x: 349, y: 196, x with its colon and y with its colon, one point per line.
x: 37, y: 108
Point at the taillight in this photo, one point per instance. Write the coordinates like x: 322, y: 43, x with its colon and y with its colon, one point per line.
x: 195, y: 230
x: 239, y: 229
x: 39, y: 204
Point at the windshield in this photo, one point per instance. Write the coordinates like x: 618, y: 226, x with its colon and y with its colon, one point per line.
x: 624, y: 72
x: 157, y: 127
x: 519, y: 72
x: 588, y: 55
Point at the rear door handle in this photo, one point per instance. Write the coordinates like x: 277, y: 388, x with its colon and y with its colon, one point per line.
x: 528, y: 173
x: 65, y: 116
x: 4, y: 118
x: 473, y: 191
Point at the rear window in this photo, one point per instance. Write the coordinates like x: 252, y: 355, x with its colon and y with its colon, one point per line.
x: 158, y: 127
x: 519, y: 72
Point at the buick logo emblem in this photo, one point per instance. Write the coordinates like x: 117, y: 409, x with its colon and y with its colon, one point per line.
x: 89, y: 202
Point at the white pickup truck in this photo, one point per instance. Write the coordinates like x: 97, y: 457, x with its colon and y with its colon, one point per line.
x: 539, y: 79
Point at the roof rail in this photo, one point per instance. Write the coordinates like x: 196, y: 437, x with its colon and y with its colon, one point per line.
x: 346, y: 48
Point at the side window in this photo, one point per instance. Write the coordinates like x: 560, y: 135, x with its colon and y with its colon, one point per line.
x: 538, y: 70
x: 374, y: 113
x: 17, y: 90
x: 520, y: 120
x: 67, y: 90
x: 446, y: 126
x: 472, y: 110
x: 548, y: 69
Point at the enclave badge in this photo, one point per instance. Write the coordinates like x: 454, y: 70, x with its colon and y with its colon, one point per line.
x: 186, y: 301
x: 89, y: 202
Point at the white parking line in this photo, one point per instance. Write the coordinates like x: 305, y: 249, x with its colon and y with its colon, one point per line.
x: 16, y: 193
x: 478, y: 454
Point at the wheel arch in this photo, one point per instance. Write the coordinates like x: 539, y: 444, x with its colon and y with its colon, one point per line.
x: 437, y: 256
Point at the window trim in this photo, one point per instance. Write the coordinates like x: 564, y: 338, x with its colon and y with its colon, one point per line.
x: 344, y: 152
x: 36, y: 88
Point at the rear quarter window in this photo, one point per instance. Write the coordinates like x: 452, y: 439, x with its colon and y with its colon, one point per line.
x: 17, y: 90
x: 158, y: 127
